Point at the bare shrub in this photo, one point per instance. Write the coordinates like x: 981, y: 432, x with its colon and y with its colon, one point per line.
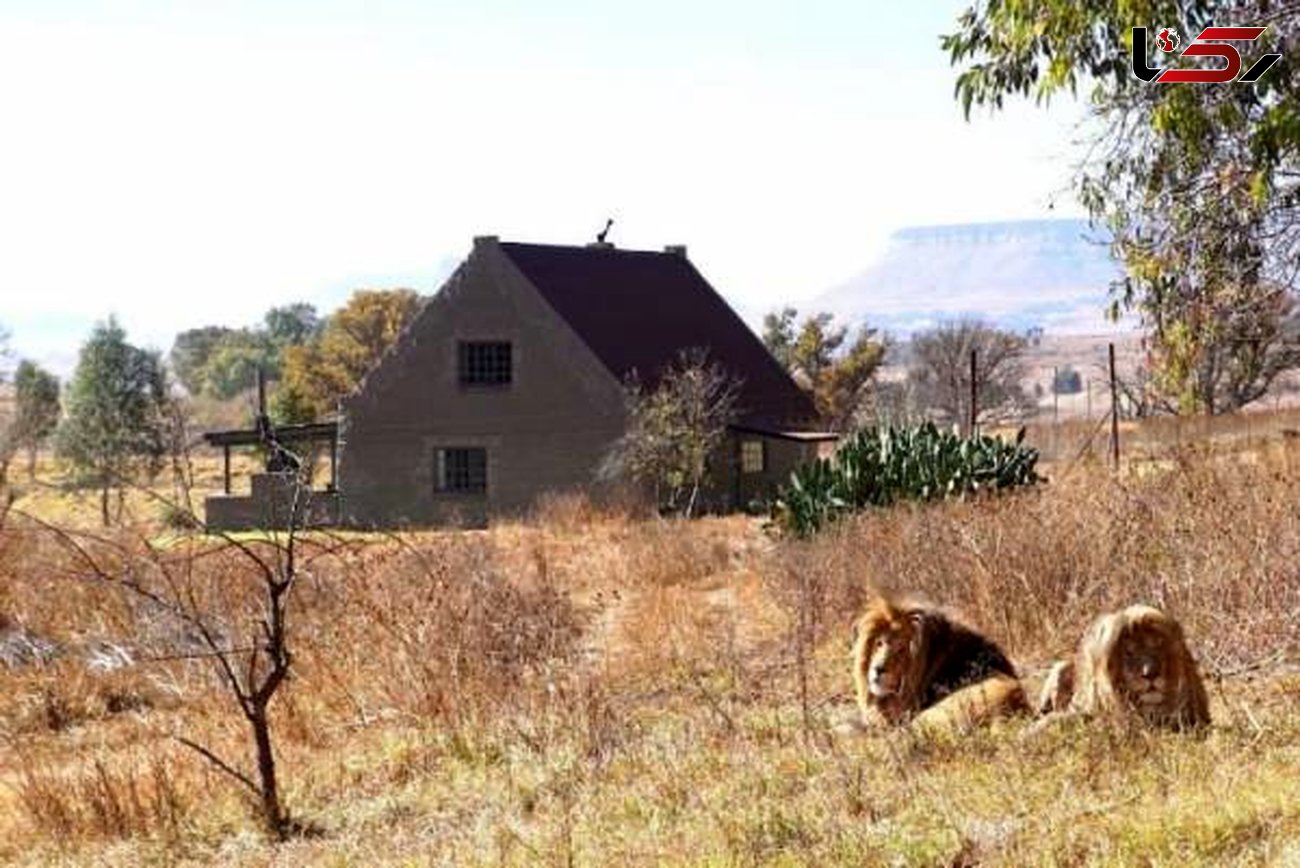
x: 122, y: 800
x: 673, y: 551
x: 439, y: 629
x: 570, y: 512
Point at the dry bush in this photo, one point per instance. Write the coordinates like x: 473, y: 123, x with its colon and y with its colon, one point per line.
x: 66, y: 693
x: 571, y: 512
x: 667, y: 632
x: 1215, y: 544
x: 134, y: 796
x: 436, y: 628
x: 676, y: 551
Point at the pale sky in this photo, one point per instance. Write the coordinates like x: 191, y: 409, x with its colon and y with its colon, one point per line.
x: 187, y: 163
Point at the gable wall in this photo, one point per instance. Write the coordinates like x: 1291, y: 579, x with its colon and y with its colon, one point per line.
x: 546, y: 431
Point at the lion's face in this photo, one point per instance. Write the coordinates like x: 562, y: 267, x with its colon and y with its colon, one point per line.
x: 1137, y: 659
x: 1144, y: 667
x: 890, y: 661
x: 886, y: 654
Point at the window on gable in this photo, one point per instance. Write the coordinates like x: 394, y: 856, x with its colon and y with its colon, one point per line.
x: 461, y: 470
x: 751, y: 456
x: 485, y: 363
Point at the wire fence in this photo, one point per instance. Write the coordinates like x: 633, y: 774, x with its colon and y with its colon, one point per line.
x: 1084, y: 412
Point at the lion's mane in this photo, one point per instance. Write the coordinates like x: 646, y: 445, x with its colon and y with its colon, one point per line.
x: 1097, y: 682
x: 949, y: 673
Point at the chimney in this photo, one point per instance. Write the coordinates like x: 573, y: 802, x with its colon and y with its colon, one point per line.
x: 676, y: 250
x: 485, y: 240
x: 600, y: 245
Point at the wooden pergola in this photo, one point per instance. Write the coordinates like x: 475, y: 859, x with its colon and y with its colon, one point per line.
x: 314, y: 432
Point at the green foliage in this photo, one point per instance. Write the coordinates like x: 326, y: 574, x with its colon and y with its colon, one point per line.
x: 36, y: 406
x: 674, y: 430
x: 882, y: 466
x: 190, y: 353
x: 292, y: 324
x: 222, y: 362
x: 232, y: 367
x: 815, y: 355
x: 117, y: 402
x: 1198, y: 185
x: 778, y: 336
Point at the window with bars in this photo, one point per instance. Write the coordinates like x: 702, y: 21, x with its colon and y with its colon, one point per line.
x: 751, y: 456
x: 461, y: 470
x: 485, y: 363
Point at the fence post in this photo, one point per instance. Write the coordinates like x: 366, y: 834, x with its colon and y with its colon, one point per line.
x: 1056, y: 395
x: 1114, y: 411
x: 974, y: 395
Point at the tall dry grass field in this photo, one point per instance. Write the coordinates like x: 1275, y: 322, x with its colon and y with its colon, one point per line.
x: 588, y: 688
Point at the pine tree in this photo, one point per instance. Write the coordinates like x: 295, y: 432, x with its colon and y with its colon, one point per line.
x: 36, y: 410
x: 116, y: 422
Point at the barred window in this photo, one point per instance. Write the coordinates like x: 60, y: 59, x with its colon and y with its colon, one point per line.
x: 461, y: 471
x: 485, y: 363
x: 751, y: 456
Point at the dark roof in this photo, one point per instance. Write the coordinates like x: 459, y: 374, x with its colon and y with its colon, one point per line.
x: 637, y: 310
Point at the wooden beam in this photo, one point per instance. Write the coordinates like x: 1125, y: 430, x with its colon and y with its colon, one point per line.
x: 225, y: 455
x: 334, y: 459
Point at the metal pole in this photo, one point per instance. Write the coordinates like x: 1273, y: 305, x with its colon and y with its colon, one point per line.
x: 1114, y: 411
x: 1056, y: 395
x: 974, y: 395
x: 261, y: 394
x: 225, y: 455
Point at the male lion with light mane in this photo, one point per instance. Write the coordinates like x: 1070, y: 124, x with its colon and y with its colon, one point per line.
x: 1134, y: 662
x: 913, y: 662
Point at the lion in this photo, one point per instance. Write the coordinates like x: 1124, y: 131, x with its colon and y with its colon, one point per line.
x: 1133, y: 663
x: 914, y: 663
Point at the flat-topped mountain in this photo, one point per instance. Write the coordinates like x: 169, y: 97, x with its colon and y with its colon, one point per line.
x: 1049, y: 273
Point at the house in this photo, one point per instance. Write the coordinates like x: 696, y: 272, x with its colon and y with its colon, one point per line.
x: 509, y: 383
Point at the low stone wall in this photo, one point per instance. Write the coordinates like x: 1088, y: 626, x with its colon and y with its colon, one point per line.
x: 275, y: 498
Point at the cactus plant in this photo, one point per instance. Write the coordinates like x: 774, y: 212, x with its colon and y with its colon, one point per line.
x: 881, y: 466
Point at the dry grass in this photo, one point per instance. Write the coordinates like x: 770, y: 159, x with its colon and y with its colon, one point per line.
x: 591, y: 688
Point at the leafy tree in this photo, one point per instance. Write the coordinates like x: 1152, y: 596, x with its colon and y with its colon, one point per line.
x: 841, y: 386
x: 317, y: 374
x: 779, y: 335
x: 190, y: 353
x: 816, y: 346
x: 222, y: 362
x: 940, y: 372
x: 292, y: 324
x: 1199, y: 186
x: 815, y: 356
x: 36, y: 410
x: 674, y: 430
x: 116, y: 420
x: 232, y: 367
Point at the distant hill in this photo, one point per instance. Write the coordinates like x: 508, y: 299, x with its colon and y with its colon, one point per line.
x: 1049, y: 273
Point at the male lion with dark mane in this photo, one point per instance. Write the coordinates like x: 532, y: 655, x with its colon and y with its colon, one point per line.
x: 1133, y: 663
x: 913, y: 662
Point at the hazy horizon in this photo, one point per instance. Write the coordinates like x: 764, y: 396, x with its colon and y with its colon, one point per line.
x: 187, y: 166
